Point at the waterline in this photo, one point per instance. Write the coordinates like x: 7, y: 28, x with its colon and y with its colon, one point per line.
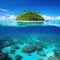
x: 29, y: 23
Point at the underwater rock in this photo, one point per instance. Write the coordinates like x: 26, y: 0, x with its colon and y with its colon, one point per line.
x: 2, y: 44
x: 4, y: 56
x: 29, y: 54
x: 5, y: 42
x: 41, y: 53
x: 0, y: 51
x: 53, y: 58
x: 40, y: 59
x: 18, y: 57
x: 38, y: 47
x: 12, y: 51
x: 28, y: 49
x: 15, y: 47
x: 57, y: 52
x: 56, y: 55
x: 8, y: 43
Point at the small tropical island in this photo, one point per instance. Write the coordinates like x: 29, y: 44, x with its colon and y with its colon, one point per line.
x: 30, y: 16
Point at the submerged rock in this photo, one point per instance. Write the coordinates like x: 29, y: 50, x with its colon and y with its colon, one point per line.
x: 38, y: 47
x: 15, y: 47
x: 53, y: 58
x: 0, y: 51
x: 29, y: 54
x: 57, y: 52
x: 40, y: 59
x: 28, y: 49
x: 12, y: 51
x: 4, y: 56
x: 41, y: 53
x: 32, y: 48
x: 5, y: 41
x: 18, y: 57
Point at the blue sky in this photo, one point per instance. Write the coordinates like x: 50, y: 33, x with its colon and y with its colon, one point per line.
x: 48, y: 8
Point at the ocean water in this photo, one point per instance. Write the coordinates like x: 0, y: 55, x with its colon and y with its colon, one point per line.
x: 16, y: 37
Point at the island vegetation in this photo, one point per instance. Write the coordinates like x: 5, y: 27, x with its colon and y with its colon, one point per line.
x: 30, y: 16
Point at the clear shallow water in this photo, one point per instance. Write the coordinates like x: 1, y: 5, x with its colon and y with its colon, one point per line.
x: 47, y: 35
x: 23, y: 24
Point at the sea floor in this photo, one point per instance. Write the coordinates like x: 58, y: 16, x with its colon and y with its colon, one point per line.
x: 31, y: 47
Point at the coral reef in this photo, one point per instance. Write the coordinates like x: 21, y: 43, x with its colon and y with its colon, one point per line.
x: 4, y: 56
x: 12, y: 51
x: 28, y: 49
x: 18, y: 57
x: 6, y: 41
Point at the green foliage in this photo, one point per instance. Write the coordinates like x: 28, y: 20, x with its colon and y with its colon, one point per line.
x: 30, y: 16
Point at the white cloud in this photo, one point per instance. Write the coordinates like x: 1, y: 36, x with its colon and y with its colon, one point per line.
x: 10, y: 17
x: 58, y: 17
x: 6, y: 15
x: 2, y: 18
x: 5, y: 10
x: 51, y: 17
x: 48, y: 17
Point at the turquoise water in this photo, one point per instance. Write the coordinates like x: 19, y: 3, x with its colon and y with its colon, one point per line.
x: 22, y: 24
x: 43, y: 39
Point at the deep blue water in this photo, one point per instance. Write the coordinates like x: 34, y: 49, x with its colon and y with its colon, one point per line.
x: 51, y: 31
x: 39, y: 29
